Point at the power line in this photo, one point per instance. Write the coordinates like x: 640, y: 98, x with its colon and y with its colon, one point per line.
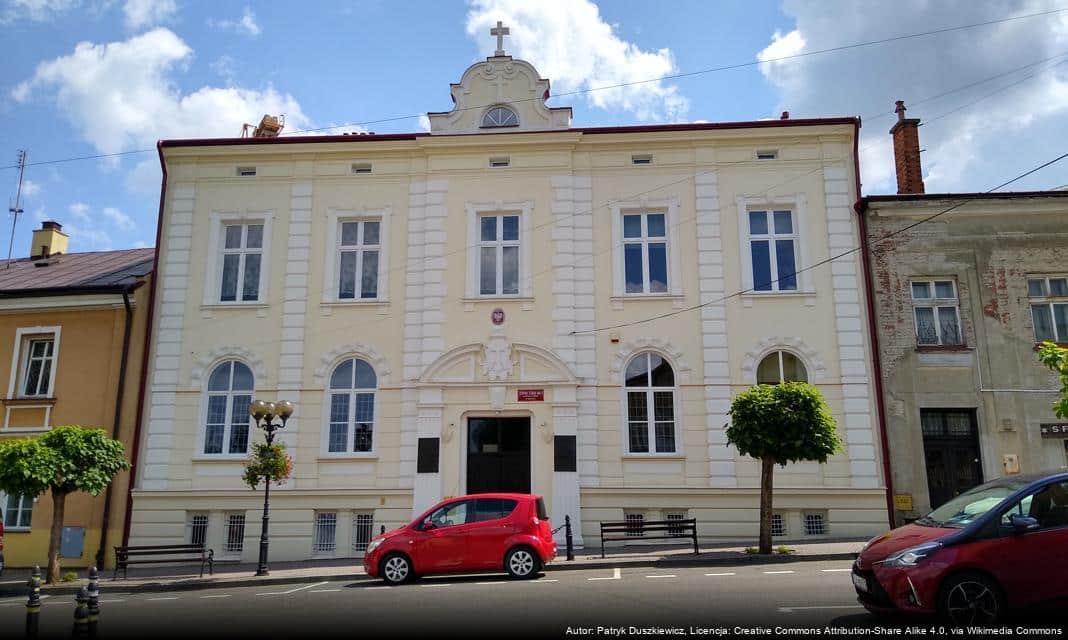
x: 676, y: 76
x: 821, y: 262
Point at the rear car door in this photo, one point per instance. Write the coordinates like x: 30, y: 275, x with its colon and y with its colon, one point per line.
x: 443, y: 547
x: 489, y: 533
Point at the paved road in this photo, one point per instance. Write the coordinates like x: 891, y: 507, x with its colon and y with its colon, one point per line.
x: 706, y: 601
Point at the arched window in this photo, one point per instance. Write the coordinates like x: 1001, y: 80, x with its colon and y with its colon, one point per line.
x: 352, y: 407
x: 781, y: 366
x: 227, y: 423
x: 500, y: 117
x: 650, y: 389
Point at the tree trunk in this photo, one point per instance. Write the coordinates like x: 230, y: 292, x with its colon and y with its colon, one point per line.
x: 767, y: 466
x: 59, y: 503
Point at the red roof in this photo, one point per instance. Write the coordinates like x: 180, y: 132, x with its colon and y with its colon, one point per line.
x: 101, y: 270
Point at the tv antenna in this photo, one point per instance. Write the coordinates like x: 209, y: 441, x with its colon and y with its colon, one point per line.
x: 16, y: 208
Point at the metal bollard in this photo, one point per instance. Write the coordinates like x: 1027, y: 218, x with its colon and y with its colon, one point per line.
x: 567, y: 538
x: 81, y: 613
x: 383, y: 530
x: 94, y: 600
x: 33, y: 603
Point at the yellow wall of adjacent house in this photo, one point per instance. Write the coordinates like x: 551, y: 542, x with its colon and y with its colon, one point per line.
x: 87, y: 377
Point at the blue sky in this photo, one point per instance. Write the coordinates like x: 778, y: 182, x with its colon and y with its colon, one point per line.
x: 87, y: 77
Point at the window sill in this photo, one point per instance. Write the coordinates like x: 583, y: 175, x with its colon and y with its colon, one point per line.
x: 942, y: 348
x: 627, y: 297
x: 469, y: 299
x: 17, y: 529
x: 234, y: 305
x: 23, y: 401
x: 653, y: 456
x: 24, y: 430
x: 777, y: 294
x: 362, y: 302
x: 1038, y: 345
x: 347, y: 457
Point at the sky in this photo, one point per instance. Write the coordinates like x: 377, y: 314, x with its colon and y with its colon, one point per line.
x: 94, y: 77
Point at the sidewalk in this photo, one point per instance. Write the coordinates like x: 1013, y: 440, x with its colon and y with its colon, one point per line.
x: 171, y: 578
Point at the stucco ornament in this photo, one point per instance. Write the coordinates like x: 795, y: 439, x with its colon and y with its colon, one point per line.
x: 497, y: 362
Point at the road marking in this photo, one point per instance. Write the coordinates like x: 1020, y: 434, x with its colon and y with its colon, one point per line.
x: 286, y: 593
x: 159, y: 599
x: 224, y: 595
x: 836, y: 606
x: 494, y: 582
x: 729, y: 573
x: 669, y: 575
x: 323, y: 590
x: 110, y: 601
x: 369, y: 588
x: 616, y: 575
x: 776, y: 573
x: 544, y: 580
x: 435, y: 585
x: 834, y: 570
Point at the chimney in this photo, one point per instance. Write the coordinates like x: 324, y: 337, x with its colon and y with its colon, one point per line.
x: 48, y: 240
x: 907, y: 151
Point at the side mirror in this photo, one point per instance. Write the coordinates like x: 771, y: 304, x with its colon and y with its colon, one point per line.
x: 1023, y: 524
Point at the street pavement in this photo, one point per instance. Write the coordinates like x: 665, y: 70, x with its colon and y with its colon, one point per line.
x: 639, y: 601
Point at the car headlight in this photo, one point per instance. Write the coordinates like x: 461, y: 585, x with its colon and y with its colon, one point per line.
x: 376, y: 543
x: 912, y: 556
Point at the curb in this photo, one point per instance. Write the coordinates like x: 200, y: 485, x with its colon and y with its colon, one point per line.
x: 107, y: 586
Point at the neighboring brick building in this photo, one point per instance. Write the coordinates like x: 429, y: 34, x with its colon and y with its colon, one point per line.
x: 961, y: 302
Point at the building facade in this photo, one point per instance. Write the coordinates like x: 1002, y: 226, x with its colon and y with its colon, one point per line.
x: 962, y: 301
x: 469, y: 309
x: 74, y: 327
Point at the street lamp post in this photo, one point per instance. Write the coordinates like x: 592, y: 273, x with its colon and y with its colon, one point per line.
x: 264, y: 414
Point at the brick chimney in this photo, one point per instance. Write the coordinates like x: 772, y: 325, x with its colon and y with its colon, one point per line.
x: 48, y: 240
x: 907, y: 151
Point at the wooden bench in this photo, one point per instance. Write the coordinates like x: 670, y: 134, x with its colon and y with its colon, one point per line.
x: 678, y: 530
x: 125, y: 556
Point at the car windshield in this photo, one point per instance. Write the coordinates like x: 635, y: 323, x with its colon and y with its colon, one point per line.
x: 965, y: 508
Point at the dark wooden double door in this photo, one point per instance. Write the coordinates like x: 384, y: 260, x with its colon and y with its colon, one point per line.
x: 498, y: 455
x: 951, y: 452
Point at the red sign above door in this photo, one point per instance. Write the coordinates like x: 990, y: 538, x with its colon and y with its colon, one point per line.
x: 530, y: 395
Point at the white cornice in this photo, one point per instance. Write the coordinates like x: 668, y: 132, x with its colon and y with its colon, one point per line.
x: 58, y: 303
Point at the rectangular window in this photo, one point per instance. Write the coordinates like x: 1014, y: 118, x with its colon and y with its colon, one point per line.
x: 1048, y: 296
x: 246, y: 172
x: 361, y: 167
x: 815, y: 523
x: 645, y: 252
x: 198, y: 528
x: 936, y: 311
x: 325, y: 538
x: 358, y: 251
x: 773, y: 249
x: 643, y: 158
x: 500, y: 161
x: 235, y: 533
x: 38, y: 364
x: 778, y: 525
x: 363, y: 529
x: 498, y: 248
x: 634, y: 524
x: 675, y: 531
x: 18, y: 512
x: 767, y: 154
x: 241, y: 256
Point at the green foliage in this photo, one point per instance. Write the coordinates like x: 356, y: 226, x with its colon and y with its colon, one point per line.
x: 65, y: 459
x: 787, y: 422
x: 751, y: 551
x: 784, y: 550
x: 267, y: 462
x: 69, y: 576
x: 1056, y: 358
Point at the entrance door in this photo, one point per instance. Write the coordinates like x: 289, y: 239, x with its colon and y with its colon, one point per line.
x: 498, y: 455
x: 951, y: 451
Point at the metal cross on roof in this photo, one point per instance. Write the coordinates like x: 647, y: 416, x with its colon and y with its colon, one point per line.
x: 500, y: 31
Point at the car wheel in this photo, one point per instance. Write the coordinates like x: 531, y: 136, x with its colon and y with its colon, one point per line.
x: 971, y: 599
x: 521, y: 563
x: 396, y: 569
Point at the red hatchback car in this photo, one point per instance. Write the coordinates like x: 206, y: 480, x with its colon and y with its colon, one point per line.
x: 483, y: 532
x: 999, y: 546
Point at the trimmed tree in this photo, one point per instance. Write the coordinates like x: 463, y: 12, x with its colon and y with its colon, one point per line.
x: 1056, y: 358
x: 63, y: 460
x: 778, y: 424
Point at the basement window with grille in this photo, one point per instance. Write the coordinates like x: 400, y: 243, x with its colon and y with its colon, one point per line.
x: 634, y: 524
x: 363, y: 529
x: 325, y: 538
x: 198, y: 528
x: 641, y: 158
x: 246, y: 172
x: 675, y: 531
x: 235, y: 533
x: 815, y: 523
x: 767, y: 154
x: 361, y: 168
x: 778, y: 525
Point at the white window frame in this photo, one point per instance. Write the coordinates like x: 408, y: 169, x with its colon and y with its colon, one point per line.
x: 783, y: 529
x: 20, y: 361
x: 332, y: 260
x: 22, y: 507
x: 478, y: 210
x: 356, y: 545
x: 823, y: 518
x: 797, y: 204
x: 778, y: 353
x: 219, y: 220
x: 485, y: 114
x: 328, y: 392
x: 669, y: 206
x: 202, y: 426
x: 1048, y: 300
x: 634, y: 516
x: 650, y: 410
x: 935, y: 304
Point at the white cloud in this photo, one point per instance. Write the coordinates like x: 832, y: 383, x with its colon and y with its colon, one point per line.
x: 971, y: 149
x: 87, y: 238
x: 224, y: 67
x: 30, y: 188
x: 570, y: 43
x: 148, y: 13
x: 35, y: 10
x: 246, y: 25
x: 424, y: 122
x: 119, y: 219
x: 80, y: 210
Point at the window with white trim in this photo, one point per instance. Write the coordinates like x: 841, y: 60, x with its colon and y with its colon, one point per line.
x: 773, y: 249
x: 242, y: 257
x: 498, y: 250
x: 358, y: 253
x: 1048, y: 296
x: 39, y: 361
x: 499, y: 117
x: 235, y: 534
x: 649, y: 385
x: 936, y: 312
x: 324, y: 540
x: 352, y: 408
x: 18, y: 512
x: 781, y: 366
x: 645, y: 252
x: 198, y: 528
x: 227, y: 421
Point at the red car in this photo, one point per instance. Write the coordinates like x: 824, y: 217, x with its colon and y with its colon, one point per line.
x: 483, y: 532
x: 999, y: 546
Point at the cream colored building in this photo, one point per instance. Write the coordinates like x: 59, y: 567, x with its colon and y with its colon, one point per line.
x: 466, y: 309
